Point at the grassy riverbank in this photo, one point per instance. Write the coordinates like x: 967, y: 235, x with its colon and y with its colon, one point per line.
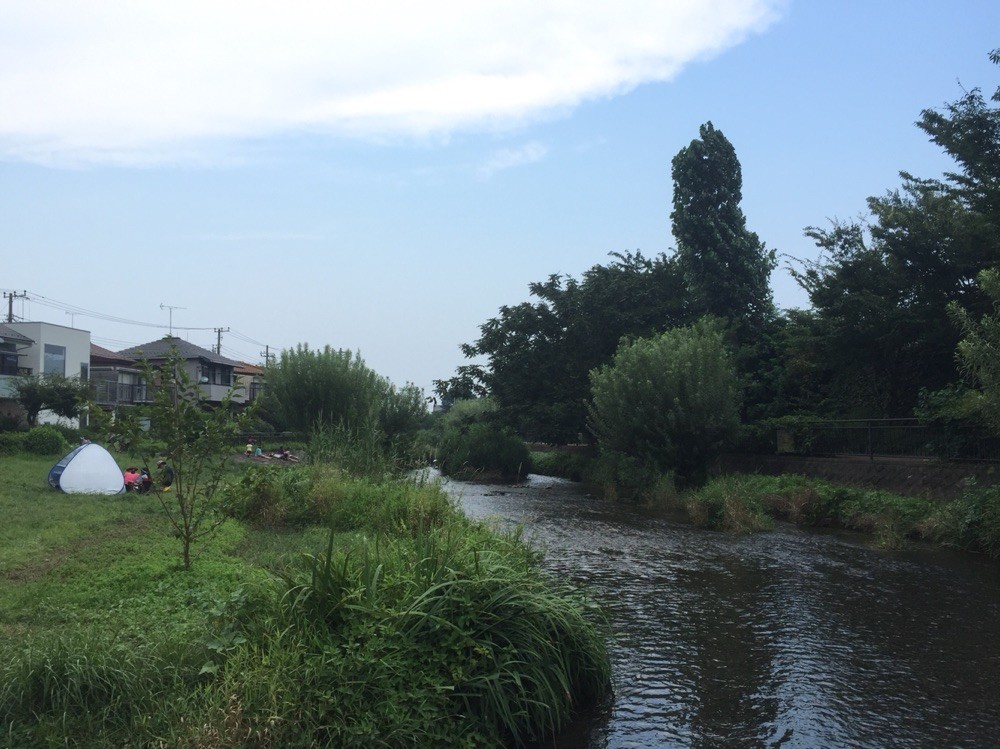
x: 406, y: 625
x: 743, y: 503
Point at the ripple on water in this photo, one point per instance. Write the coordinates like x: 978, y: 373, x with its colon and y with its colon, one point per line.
x: 784, y: 639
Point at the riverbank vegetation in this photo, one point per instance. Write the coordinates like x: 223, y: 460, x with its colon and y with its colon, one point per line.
x: 329, y: 609
x: 904, y: 322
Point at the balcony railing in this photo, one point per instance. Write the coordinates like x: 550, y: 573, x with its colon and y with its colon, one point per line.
x: 110, y: 393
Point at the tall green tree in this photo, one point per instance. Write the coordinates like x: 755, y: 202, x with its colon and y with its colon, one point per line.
x: 882, y: 287
x: 978, y: 352
x: 538, y: 355
x: 335, y: 388
x: 725, y: 267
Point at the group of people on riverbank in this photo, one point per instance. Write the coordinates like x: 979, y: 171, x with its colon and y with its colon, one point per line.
x: 140, y: 480
x: 255, y: 452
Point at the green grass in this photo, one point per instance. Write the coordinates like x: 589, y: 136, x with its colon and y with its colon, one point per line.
x: 404, y: 625
x: 746, y: 503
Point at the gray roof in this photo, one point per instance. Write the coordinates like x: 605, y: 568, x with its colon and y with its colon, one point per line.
x: 9, y: 335
x: 158, y: 350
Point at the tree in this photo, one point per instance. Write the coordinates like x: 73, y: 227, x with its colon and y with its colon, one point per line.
x: 725, y: 267
x: 978, y: 352
x: 882, y: 287
x: 195, y: 441
x: 335, y: 388
x: 669, y: 401
x: 539, y: 354
x: 64, y: 396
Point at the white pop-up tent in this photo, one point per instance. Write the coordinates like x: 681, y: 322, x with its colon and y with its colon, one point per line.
x: 89, y: 469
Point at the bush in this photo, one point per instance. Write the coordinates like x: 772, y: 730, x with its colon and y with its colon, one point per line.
x: 483, y: 448
x: 572, y: 466
x: 669, y: 402
x: 970, y: 523
x: 273, y: 495
x: 454, y: 639
x: 45, y: 440
x: 11, y: 442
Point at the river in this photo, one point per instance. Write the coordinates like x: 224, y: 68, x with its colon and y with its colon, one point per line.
x: 789, y: 638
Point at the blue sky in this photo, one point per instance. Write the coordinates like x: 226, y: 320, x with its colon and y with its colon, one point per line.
x: 368, y: 177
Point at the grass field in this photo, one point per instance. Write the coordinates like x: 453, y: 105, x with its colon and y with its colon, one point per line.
x: 409, y: 626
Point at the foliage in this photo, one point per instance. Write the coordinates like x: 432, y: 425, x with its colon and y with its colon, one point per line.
x: 195, y: 442
x: 273, y: 496
x: 335, y: 388
x: 725, y: 267
x: 978, y: 352
x: 45, y: 440
x: 11, y: 442
x: 538, y: 355
x: 361, y: 451
x: 880, y: 290
x: 483, y: 448
x: 63, y: 396
x: 444, y: 634
x: 408, y: 637
x: 568, y: 465
x: 668, y: 402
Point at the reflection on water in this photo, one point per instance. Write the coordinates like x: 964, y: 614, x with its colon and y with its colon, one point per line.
x: 782, y: 639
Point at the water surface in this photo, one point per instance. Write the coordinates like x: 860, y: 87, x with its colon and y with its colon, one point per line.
x: 789, y: 638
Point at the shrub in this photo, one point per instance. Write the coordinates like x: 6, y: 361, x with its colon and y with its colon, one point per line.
x: 572, y: 466
x: 45, y: 440
x: 272, y: 495
x: 481, y: 447
x: 11, y: 442
x: 669, y: 402
x: 454, y: 639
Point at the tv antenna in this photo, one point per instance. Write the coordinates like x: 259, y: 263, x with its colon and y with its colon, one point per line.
x: 167, y: 306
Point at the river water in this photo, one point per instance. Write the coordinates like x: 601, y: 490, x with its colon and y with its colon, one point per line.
x: 788, y: 638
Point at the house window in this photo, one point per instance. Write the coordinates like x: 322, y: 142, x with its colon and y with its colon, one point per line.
x: 8, y: 363
x: 55, y: 360
x: 85, y: 371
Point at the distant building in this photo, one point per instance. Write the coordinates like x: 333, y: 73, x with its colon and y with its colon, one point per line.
x: 214, y: 374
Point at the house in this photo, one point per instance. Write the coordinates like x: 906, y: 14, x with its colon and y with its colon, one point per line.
x: 215, y: 374
x: 41, y: 348
x: 116, y: 380
x: 251, y: 379
x: 12, y: 346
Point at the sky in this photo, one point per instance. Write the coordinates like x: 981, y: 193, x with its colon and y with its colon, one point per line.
x: 384, y: 176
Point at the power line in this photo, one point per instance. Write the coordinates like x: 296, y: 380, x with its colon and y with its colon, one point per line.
x: 74, y: 309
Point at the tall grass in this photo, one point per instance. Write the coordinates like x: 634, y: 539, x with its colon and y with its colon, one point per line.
x: 745, y: 503
x: 409, y: 626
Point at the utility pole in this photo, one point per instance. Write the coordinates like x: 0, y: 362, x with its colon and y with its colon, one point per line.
x: 218, y: 344
x: 266, y: 353
x: 167, y: 306
x: 10, y: 302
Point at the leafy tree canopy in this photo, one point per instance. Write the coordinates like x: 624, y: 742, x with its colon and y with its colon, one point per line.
x: 668, y: 401
x: 538, y: 354
x: 882, y: 286
x: 330, y: 387
x: 64, y: 396
x: 726, y: 268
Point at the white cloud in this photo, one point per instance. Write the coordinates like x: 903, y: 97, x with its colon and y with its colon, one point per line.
x: 141, y: 80
x: 509, y: 158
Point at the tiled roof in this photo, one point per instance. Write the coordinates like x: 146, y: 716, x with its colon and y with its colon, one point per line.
x: 250, y: 369
x: 158, y: 350
x: 99, y: 353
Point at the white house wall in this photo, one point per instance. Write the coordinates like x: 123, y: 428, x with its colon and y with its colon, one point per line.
x: 75, y: 341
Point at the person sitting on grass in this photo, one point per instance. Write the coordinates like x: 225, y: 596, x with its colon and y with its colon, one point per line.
x: 166, y: 474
